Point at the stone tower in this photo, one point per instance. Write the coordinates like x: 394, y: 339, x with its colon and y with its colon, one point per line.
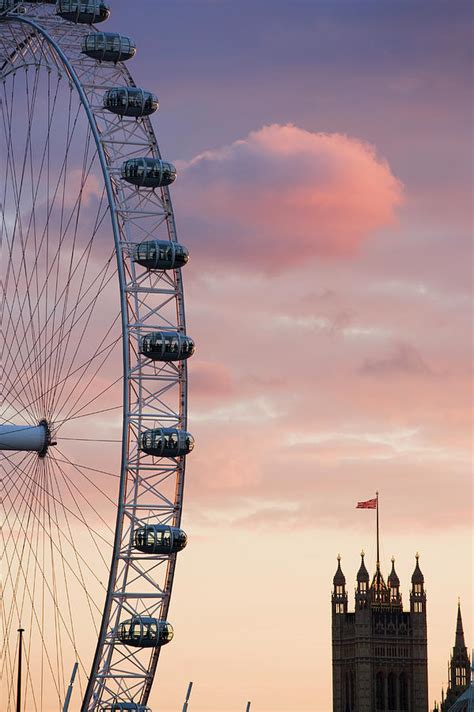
x: 459, y: 667
x: 379, y: 651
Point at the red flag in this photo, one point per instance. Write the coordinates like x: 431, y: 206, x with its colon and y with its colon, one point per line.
x: 369, y: 504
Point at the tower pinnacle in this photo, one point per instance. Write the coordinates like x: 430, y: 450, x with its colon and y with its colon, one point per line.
x: 459, y: 642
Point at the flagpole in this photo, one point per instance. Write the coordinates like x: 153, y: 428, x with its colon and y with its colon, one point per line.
x: 378, y: 535
x: 20, y: 658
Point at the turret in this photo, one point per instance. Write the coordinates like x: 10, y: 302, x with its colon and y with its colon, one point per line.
x: 379, y: 593
x: 339, y: 596
x: 460, y: 664
x: 394, y: 587
x: 419, y: 637
x: 362, y: 590
x: 417, y: 594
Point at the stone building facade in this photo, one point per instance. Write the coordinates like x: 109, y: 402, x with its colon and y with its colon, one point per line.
x: 379, y: 651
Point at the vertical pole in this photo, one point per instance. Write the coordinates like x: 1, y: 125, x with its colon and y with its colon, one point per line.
x: 248, y: 707
x: 20, y: 656
x: 188, y: 695
x: 378, y: 539
x: 69, y: 690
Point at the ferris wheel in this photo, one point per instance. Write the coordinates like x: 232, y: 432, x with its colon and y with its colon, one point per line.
x: 93, y: 409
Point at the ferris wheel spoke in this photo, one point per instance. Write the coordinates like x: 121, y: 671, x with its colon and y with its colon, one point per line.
x: 55, y: 376
x: 73, y: 487
x: 63, y: 232
x: 74, y: 411
x: 8, y: 574
x: 109, y: 351
x: 87, y: 415
x: 60, y: 355
x: 79, y: 517
x: 53, y: 519
x: 8, y: 467
x: 81, y: 562
x: 50, y: 315
x: 76, y: 370
x: 18, y: 184
x: 46, y: 527
x: 78, y: 469
x: 50, y: 341
x: 55, y: 259
x: 52, y: 588
x: 12, y: 373
x: 73, y: 323
x: 39, y: 622
x: 32, y: 403
x: 85, y: 467
x: 28, y: 278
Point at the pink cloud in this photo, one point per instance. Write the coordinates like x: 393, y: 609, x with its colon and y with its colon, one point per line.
x: 283, y: 196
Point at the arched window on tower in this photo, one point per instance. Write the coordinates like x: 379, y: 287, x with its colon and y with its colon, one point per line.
x: 392, y: 692
x: 461, y: 677
x: 379, y: 692
x: 403, y: 681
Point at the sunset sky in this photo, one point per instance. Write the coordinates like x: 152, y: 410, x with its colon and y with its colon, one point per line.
x: 324, y: 191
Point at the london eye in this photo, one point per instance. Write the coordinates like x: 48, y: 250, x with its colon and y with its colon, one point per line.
x: 94, y: 349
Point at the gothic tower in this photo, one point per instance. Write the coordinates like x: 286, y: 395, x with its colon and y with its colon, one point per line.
x: 379, y: 651
x: 459, y: 667
x: 419, y: 639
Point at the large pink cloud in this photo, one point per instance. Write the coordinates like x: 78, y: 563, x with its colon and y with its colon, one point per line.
x: 284, y: 195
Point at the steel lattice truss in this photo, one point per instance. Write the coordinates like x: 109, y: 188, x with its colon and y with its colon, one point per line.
x: 150, y: 489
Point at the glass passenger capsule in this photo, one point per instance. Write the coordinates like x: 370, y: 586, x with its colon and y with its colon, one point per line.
x: 160, y: 254
x: 126, y: 707
x: 166, y: 346
x: 159, y: 539
x: 145, y: 632
x: 130, y: 101
x: 83, y: 11
x: 148, y: 172
x: 108, y: 47
x: 166, y: 442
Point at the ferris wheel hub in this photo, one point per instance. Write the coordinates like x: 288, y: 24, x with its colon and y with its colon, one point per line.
x: 26, y: 438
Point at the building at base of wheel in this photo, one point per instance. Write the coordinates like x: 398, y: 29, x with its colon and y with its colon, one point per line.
x: 379, y: 651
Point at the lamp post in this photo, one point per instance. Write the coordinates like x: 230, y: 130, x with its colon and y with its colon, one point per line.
x: 20, y: 658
